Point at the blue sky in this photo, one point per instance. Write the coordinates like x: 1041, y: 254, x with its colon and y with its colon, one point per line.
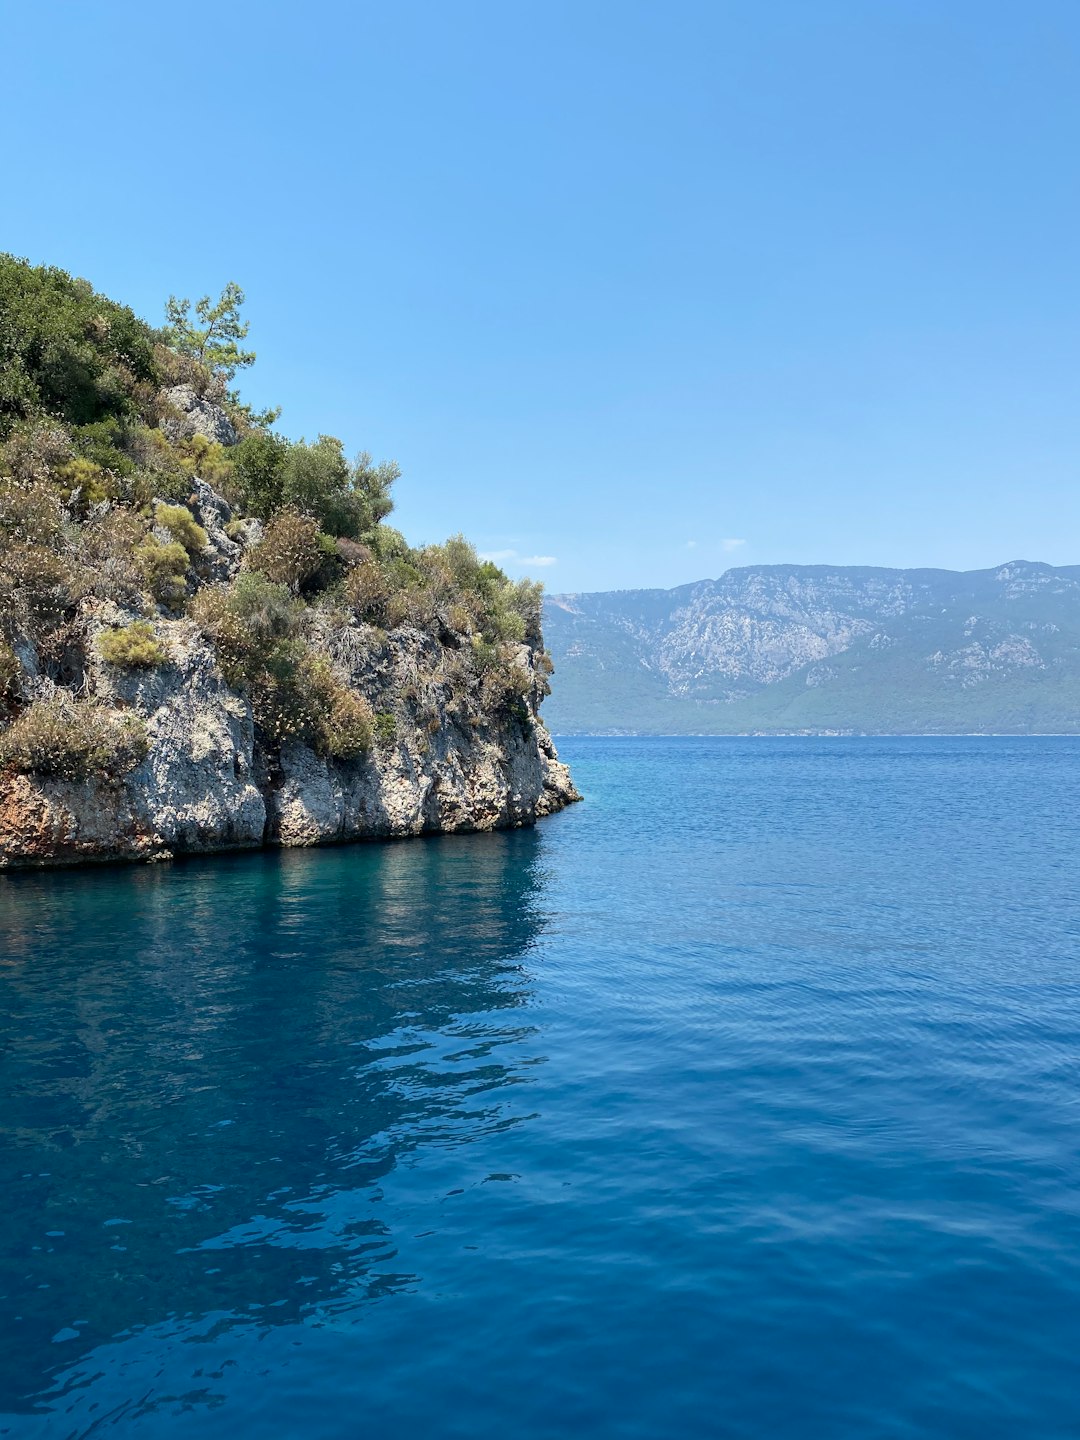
x: 637, y: 290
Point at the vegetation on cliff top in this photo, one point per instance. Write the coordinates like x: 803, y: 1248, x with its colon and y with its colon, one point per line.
x: 99, y: 463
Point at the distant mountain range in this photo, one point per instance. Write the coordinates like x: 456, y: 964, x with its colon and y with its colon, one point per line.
x: 789, y: 649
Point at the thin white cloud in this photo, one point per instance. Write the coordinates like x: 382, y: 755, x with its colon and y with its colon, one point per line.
x: 691, y: 544
x: 729, y: 545
x: 511, y: 557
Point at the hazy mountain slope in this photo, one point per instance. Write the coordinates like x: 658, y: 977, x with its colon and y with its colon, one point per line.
x: 788, y: 648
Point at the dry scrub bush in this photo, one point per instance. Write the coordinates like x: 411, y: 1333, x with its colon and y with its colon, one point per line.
x: 396, y: 609
x: 291, y: 551
x: 295, y: 695
x: 367, y: 589
x: 72, y: 739
x: 176, y: 368
x: 31, y: 512
x: 107, y: 546
x: 504, y: 685
x: 343, y: 723
x: 351, y: 552
x: 35, y: 451
x: 37, y: 587
x: 461, y: 618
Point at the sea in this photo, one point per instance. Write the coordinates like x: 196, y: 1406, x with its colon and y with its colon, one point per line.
x: 740, y: 1100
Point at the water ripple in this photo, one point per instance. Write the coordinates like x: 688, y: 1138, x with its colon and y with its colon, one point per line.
x: 741, y: 1101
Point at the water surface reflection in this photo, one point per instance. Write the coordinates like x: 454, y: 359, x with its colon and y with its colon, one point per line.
x: 208, y: 1070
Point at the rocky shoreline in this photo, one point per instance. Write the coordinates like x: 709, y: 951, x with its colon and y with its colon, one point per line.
x: 449, y: 760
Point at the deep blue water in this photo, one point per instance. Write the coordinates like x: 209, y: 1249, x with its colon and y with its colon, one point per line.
x: 742, y: 1100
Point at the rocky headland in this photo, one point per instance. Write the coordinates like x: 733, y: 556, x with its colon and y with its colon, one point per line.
x: 181, y: 673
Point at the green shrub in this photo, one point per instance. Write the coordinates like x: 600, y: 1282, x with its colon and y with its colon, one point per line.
x: 266, y: 610
x: 206, y: 459
x: 107, y: 443
x: 314, y: 476
x: 134, y: 646
x: 294, y: 693
x: 164, y: 569
x: 252, y: 624
x: 182, y: 526
x: 388, y: 544
x: 66, y: 350
x: 256, y: 480
x: 72, y: 739
x: 485, y: 654
x: 85, y: 483
x: 476, y: 593
x: 385, y: 728
x: 506, y: 623
x: 346, y: 499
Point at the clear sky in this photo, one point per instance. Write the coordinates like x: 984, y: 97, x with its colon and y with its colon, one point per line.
x: 638, y: 290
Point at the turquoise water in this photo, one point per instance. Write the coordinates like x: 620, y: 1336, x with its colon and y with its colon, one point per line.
x: 742, y: 1100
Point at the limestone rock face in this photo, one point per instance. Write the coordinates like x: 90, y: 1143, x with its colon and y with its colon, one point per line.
x: 445, y: 759
x: 197, y: 415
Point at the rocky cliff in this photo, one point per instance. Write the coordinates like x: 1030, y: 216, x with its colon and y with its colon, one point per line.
x: 444, y: 757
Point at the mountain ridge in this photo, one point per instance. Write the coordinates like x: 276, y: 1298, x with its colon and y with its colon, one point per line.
x: 791, y: 648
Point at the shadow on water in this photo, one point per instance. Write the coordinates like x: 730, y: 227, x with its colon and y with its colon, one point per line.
x: 208, y: 1070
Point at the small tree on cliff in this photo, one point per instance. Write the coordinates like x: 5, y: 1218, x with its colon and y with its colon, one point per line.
x: 213, y: 336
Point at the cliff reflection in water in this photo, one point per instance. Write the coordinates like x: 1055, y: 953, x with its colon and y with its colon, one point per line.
x: 208, y: 1070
